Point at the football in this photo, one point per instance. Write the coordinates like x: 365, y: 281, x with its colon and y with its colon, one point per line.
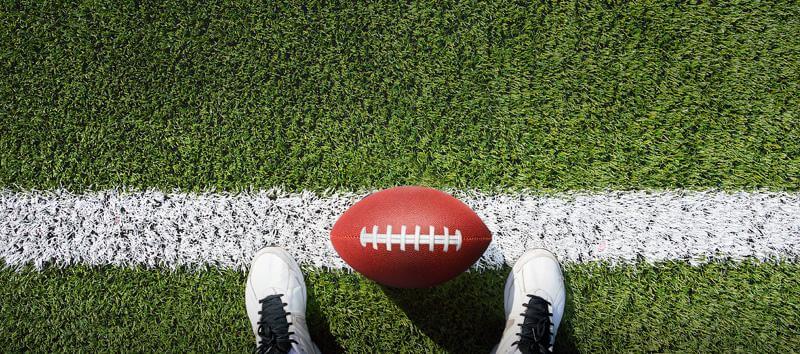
x: 410, y: 237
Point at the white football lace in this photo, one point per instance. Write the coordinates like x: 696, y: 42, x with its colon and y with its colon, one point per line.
x: 403, y: 238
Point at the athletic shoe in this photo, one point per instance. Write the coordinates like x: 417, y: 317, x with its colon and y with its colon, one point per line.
x: 534, y: 302
x: 276, y: 303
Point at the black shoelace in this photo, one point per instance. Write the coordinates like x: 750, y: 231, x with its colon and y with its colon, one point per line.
x: 534, y: 335
x: 273, y: 328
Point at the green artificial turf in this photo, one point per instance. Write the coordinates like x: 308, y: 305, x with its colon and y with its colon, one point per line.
x: 494, y: 95
x: 497, y: 94
x: 671, y: 307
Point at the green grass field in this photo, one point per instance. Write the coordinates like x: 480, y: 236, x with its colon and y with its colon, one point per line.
x: 239, y: 94
x: 670, y: 307
x: 500, y: 96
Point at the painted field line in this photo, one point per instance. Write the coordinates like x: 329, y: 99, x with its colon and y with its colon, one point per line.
x: 154, y: 228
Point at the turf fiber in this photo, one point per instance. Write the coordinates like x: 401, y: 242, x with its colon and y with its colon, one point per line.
x: 718, y: 307
x: 239, y: 94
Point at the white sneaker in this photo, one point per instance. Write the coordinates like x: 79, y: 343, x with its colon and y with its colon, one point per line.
x: 534, y: 302
x: 275, y: 296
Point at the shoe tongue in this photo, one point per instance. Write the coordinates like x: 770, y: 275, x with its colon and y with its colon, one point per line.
x: 275, y: 330
x: 536, y: 323
x: 542, y: 294
x: 539, y: 307
x: 288, y: 297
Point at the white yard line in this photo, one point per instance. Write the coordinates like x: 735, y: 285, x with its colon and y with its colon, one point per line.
x: 154, y: 228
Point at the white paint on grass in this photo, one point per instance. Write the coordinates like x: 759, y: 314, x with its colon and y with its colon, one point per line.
x: 154, y: 228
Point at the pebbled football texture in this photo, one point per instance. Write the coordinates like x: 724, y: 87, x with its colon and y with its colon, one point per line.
x: 409, y: 257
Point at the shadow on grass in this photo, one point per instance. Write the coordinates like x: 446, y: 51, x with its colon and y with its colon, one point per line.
x: 320, y: 328
x: 465, y: 315
x: 565, y: 339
